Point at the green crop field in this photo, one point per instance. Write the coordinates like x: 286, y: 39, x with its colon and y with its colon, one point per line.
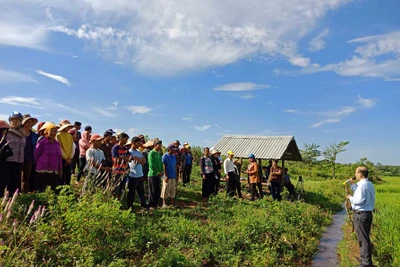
x: 97, y: 230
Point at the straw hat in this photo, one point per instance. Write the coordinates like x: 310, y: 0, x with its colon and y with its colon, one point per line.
x: 46, y: 125
x: 149, y: 143
x: 215, y: 151
x: 28, y: 117
x: 65, y: 124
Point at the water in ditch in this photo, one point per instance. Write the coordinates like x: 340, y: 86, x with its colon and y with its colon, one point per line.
x: 327, y: 249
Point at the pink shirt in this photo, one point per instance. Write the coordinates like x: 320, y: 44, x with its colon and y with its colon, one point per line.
x: 84, y: 144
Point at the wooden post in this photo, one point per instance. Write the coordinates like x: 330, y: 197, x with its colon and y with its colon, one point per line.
x: 283, y: 172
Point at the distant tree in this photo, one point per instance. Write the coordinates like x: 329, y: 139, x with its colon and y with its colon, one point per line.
x: 330, y: 153
x: 374, y: 170
x: 197, y: 153
x: 310, y: 153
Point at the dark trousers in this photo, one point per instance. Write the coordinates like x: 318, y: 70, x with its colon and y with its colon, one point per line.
x: 253, y: 191
x: 3, y: 178
x: 32, y: 179
x: 259, y: 185
x: 290, y: 187
x: 13, y: 181
x: 231, y: 184
x: 276, y: 191
x: 26, y: 176
x: 75, y: 162
x: 82, y: 164
x: 217, y: 183
x: 362, y: 227
x: 208, y: 185
x: 238, y: 186
x: 186, y: 173
x: 154, y: 190
x: 136, y: 185
x: 66, y: 179
x: 44, y: 180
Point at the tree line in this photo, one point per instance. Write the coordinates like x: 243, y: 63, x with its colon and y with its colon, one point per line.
x: 322, y: 162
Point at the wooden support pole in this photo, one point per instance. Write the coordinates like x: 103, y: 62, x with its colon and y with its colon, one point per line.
x: 283, y: 172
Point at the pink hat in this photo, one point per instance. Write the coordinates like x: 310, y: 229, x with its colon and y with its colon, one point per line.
x: 96, y: 137
x: 4, y: 124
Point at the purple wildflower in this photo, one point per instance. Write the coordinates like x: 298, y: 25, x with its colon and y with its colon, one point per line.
x: 32, y: 219
x: 14, y: 198
x: 43, y: 211
x: 31, y: 207
x: 8, y: 214
x: 4, y: 199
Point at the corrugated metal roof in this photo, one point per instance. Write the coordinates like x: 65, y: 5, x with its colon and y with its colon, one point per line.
x: 263, y: 147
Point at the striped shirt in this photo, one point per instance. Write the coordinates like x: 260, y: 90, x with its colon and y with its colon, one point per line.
x: 119, y: 164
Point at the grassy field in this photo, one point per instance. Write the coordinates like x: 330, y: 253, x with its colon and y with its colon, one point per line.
x: 385, y: 233
x: 96, y: 230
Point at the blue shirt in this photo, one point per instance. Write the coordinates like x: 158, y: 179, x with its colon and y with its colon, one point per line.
x: 188, y: 159
x: 170, y: 163
x: 136, y: 169
x: 363, y: 198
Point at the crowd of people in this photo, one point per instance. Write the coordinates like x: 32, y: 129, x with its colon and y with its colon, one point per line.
x: 48, y: 157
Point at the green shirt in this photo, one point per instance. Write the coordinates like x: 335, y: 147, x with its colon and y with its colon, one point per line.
x: 155, y: 163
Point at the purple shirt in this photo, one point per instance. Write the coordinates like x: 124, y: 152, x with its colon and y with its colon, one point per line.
x: 48, y: 156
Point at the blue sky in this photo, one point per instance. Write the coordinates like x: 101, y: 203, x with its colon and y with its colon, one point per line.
x: 323, y: 71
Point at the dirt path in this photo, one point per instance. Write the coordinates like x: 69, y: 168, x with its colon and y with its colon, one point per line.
x: 327, y: 249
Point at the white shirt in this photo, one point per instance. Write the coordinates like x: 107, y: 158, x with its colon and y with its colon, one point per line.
x: 363, y: 198
x: 94, y: 156
x: 229, y: 166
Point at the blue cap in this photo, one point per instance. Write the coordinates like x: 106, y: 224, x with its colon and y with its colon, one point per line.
x: 16, y: 114
x: 251, y: 156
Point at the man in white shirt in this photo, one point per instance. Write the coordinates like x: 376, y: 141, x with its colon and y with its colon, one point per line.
x: 229, y: 169
x: 363, y: 203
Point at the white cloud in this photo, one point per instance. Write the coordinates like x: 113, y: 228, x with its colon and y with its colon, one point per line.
x: 104, y: 113
x: 247, y: 96
x: 20, y: 34
x: 319, y: 124
x: 186, y: 119
x: 237, y: 87
x: 169, y: 37
x: 318, y: 43
x: 344, y: 111
x: 58, y: 78
x: 202, y: 128
x: 21, y: 101
x: 132, y: 132
x: 339, y: 112
x: 12, y: 76
x: 299, y: 61
x: 75, y: 111
x: 291, y: 111
x: 367, y: 60
x: 365, y: 102
x: 139, y: 109
x: 114, y: 106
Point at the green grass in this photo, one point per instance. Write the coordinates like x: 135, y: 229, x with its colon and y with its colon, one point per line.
x: 97, y: 231
x: 385, y: 232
